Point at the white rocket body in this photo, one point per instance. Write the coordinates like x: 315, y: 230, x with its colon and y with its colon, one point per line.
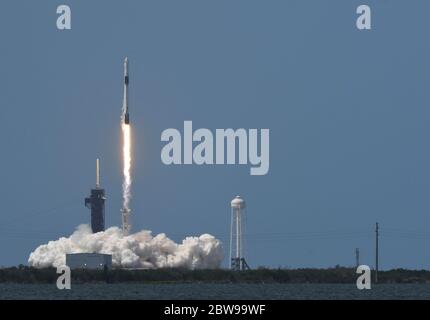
x: 126, y: 115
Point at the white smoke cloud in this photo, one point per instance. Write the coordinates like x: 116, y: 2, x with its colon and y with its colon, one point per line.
x: 138, y: 250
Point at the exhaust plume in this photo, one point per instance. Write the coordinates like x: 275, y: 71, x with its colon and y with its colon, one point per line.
x: 139, y: 250
x: 126, y: 184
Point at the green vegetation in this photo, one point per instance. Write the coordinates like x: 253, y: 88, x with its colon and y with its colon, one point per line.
x: 23, y: 274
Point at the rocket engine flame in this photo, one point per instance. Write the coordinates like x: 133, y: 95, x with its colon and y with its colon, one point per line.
x: 126, y: 184
x: 126, y: 153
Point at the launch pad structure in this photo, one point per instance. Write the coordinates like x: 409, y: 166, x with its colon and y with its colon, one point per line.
x: 96, y: 203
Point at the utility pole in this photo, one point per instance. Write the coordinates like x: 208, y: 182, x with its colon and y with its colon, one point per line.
x: 357, y: 257
x: 377, y: 253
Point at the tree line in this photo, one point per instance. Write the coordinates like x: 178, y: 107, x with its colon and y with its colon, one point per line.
x: 25, y: 274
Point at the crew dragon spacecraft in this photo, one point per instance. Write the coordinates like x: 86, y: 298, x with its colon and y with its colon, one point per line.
x: 126, y: 115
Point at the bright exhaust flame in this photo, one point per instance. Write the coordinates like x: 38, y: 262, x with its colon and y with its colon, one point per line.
x: 126, y: 184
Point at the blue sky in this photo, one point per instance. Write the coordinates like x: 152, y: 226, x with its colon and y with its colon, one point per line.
x: 347, y: 111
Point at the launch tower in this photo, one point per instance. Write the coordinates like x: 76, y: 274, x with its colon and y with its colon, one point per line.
x: 96, y: 203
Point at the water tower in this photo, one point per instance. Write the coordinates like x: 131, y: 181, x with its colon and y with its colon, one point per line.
x: 237, y: 260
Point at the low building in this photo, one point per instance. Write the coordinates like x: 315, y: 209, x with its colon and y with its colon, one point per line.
x: 88, y: 261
